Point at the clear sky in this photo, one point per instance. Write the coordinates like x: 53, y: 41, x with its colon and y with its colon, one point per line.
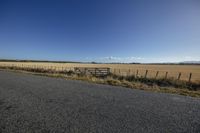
x: 100, y: 30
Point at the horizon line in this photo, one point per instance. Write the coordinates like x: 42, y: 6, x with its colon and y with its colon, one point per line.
x: 96, y: 62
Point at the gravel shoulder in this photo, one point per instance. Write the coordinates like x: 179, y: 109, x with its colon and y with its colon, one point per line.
x: 37, y: 104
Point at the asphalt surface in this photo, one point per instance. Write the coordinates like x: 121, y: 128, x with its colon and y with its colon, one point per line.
x: 36, y: 104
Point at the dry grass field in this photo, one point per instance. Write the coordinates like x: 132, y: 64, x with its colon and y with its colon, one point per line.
x: 123, y: 69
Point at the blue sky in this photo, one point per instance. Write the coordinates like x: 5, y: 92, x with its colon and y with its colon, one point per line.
x: 100, y: 30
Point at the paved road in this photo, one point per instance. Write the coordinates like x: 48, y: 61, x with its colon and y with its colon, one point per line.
x: 36, y: 104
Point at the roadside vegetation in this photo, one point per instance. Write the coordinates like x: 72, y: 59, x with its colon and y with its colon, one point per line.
x: 158, y: 70
x: 149, y: 84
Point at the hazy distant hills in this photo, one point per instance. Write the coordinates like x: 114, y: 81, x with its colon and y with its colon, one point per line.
x: 164, y: 63
x: 190, y: 62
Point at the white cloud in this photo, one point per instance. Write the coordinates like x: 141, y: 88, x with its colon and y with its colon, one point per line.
x: 120, y: 59
x: 145, y: 60
x: 134, y: 59
x: 189, y: 58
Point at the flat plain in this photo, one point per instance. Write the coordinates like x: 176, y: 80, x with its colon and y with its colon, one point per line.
x: 124, y: 69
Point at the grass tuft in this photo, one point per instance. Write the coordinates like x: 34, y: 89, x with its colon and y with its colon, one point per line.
x: 149, y: 84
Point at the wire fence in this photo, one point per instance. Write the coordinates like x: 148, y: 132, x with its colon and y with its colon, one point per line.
x: 156, y: 74
x: 144, y: 73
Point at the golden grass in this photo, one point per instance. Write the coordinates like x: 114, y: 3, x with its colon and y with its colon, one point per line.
x: 124, y: 69
x: 124, y: 83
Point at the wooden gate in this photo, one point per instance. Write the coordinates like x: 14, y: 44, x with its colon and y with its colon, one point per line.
x: 92, y: 71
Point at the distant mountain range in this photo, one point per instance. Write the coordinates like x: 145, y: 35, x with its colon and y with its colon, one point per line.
x: 164, y: 63
x: 190, y: 62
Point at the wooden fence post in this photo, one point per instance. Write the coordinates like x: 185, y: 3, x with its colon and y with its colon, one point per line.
x: 190, y: 77
x: 145, y: 76
x: 137, y: 73
x: 108, y: 70
x: 166, y: 75
x: 85, y: 71
x: 129, y: 72
x: 179, y: 76
x: 157, y: 74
